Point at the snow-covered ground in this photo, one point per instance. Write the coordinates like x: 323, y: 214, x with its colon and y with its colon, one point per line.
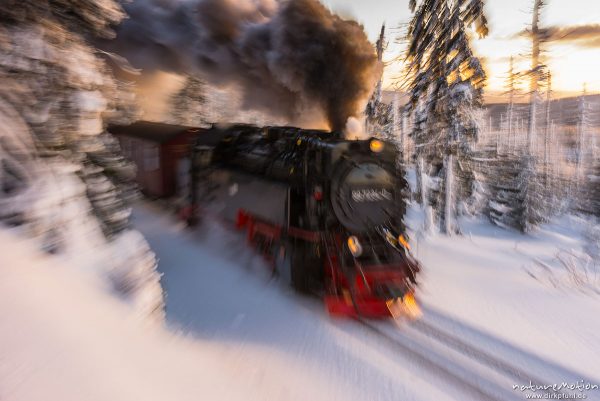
x: 285, y: 344
x: 234, y: 334
x: 488, y: 280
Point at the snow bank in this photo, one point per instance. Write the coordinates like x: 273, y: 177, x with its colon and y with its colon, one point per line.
x: 62, y: 337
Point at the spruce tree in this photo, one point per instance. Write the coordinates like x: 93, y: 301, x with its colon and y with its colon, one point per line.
x: 531, y: 203
x: 445, y: 83
x: 379, y: 115
x: 521, y: 195
x: 189, y: 104
x: 588, y: 165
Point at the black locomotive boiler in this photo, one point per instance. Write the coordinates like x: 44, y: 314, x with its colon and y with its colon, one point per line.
x: 327, y: 212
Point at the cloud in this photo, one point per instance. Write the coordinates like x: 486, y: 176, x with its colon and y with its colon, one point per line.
x: 587, y: 36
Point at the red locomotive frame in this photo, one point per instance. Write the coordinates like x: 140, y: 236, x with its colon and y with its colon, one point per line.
x: 342, y: 298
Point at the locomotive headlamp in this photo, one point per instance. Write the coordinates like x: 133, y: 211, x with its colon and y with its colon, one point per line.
x: 376, y: 145
x: 354, y: 246
x: 402, y: 241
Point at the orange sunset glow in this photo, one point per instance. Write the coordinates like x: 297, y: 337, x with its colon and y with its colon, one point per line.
x: 572, y: 52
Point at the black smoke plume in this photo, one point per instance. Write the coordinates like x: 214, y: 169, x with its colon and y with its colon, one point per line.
x: 287, y: 57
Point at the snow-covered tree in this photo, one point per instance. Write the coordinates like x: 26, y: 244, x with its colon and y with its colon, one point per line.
x: 379, y: 117
x: 503, y: 206
x: 189, y: 105
x: 375, y: 99
x: 502, y: 166
x: 532, y: 205
x: 521, y: 196
x: 582, y: 130
x: 547, y: 128
x: 445, y: 80
x: 587, y: 177
x: 399, y: 128
x: 516, y: 192
x: 63, y: 179
x: 589, y: 198
x: 536, y: 73
x: 512, y: 80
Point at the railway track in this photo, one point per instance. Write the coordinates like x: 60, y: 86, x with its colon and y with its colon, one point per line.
x: 468, y: 368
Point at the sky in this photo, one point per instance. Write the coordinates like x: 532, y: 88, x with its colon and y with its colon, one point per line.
x: 573, y: 60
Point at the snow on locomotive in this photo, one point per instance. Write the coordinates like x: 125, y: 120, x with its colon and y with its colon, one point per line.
x: 325, y: 211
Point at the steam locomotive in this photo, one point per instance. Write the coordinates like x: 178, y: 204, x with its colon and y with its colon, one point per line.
x: 326, y: 212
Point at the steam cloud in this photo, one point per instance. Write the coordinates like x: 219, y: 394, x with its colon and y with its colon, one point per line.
x: 287, y: 57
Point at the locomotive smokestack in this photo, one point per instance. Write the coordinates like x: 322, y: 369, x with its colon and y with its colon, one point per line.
x: 288, y: 57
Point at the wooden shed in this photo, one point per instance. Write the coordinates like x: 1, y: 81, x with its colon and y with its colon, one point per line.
x: 161, y: 153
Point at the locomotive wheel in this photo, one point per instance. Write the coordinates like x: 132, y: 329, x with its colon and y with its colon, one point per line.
x: 305, y: 267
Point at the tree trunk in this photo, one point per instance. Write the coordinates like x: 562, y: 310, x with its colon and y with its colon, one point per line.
x: 397, y: 132
x: 535, y: 74
x: 531, y: 127
x: 581, y: 138
x: 511, y: 101
x: 448, y: 207
x: 421, y: 186
x: 403, y: 133
x: 547, y: 137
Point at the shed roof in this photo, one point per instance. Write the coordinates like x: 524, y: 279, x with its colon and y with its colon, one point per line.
x: 151, y: 131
